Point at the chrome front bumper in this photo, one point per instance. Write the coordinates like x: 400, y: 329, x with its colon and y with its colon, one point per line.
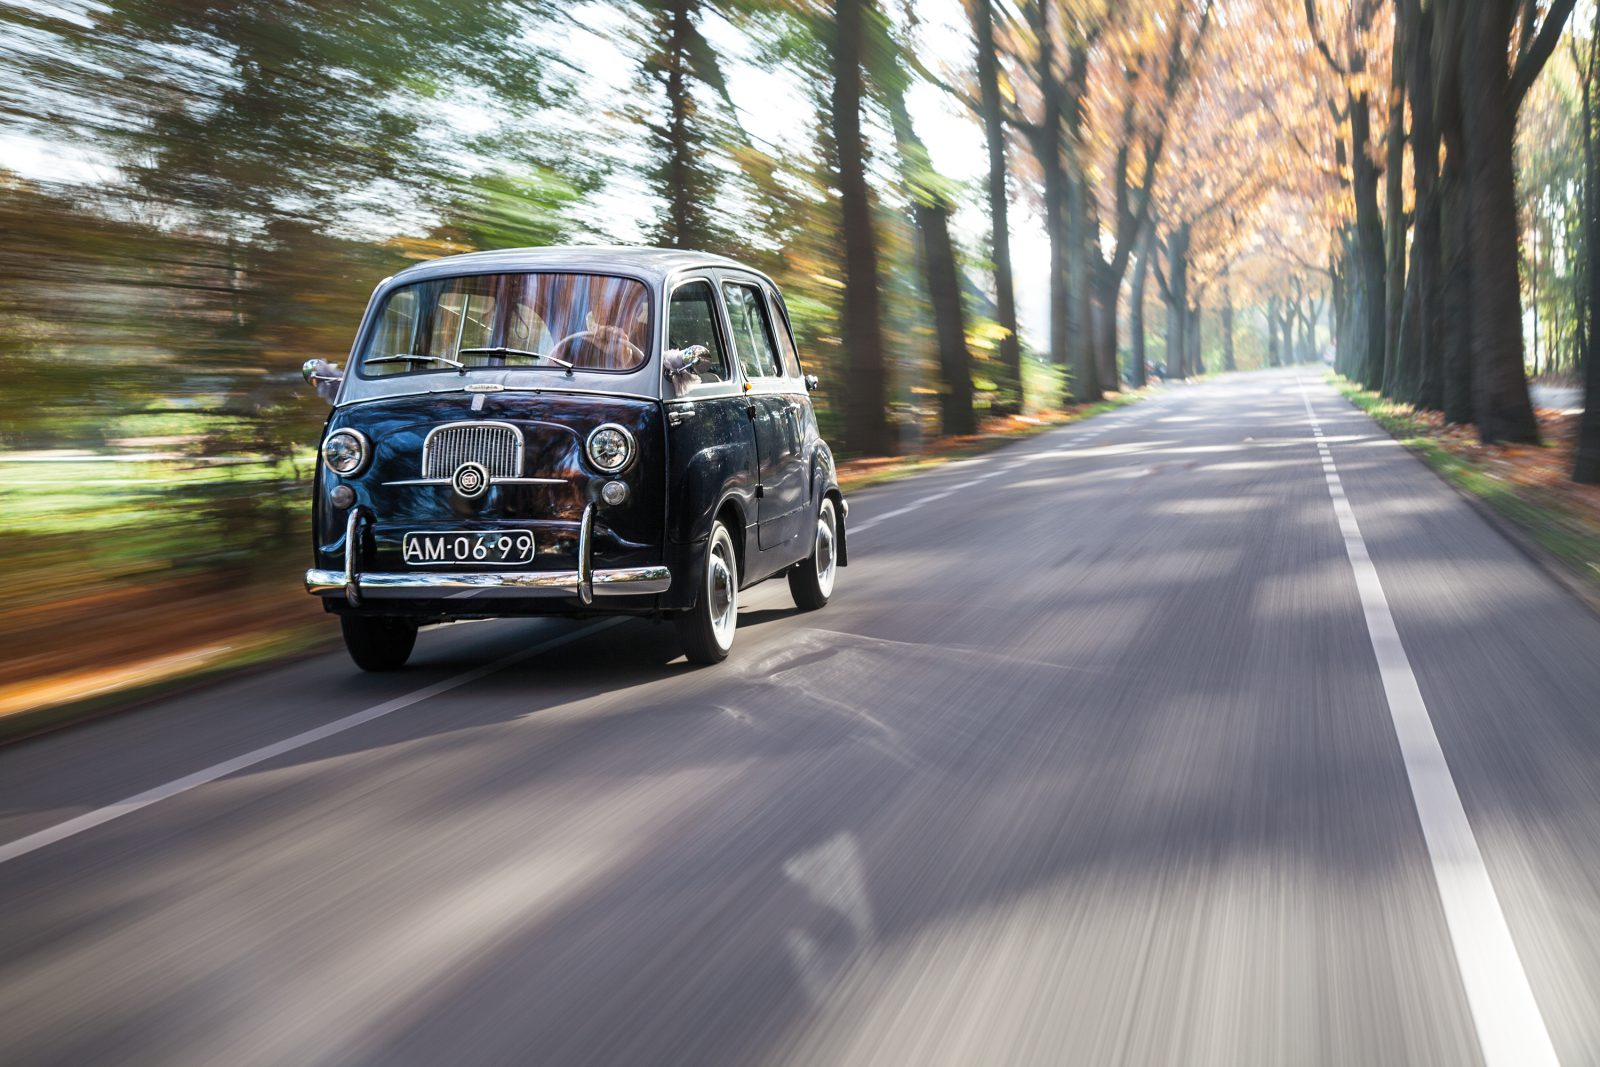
x: 418, y: 585
x: 585, y: 583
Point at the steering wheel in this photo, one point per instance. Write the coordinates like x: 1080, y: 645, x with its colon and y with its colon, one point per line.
x: 603, y: 337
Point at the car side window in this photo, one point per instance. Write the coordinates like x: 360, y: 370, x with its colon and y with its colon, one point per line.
x: 780, y: 322
x: 692, y: 320
x: 752, y: 332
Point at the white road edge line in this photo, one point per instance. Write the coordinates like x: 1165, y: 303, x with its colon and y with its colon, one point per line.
x: 100, y: 816
x: 1511, y: 1030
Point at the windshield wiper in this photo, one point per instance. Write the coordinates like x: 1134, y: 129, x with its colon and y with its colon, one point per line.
x: 501, y: 350
x: 411, y: 357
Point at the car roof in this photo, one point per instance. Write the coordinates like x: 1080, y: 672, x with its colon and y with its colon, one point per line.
x: 654, y: 264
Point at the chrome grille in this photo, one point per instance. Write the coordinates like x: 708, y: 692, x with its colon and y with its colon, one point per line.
x: 495, y: 446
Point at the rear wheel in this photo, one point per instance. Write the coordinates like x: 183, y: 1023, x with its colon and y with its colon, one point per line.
x: 811, y: 580
x: 378, y: 644
x: 706, y: 630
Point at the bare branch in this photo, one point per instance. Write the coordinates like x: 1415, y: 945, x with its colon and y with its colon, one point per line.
x: 1532, y: 61
x: 1321, y: 43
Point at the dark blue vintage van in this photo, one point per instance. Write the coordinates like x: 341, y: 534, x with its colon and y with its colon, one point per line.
x: 569, y: 431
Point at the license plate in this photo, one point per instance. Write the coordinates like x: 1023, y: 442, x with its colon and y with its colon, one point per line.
x: 455, y: 547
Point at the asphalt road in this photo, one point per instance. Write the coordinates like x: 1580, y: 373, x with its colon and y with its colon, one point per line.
x: 1093, y: 759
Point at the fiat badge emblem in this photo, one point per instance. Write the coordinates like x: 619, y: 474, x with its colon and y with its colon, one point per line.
x: 470, y: 480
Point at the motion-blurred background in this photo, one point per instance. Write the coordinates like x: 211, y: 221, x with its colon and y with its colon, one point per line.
x: 978, y: 210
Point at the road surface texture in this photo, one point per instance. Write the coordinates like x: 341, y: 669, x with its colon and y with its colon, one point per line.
x: 1178, y: 736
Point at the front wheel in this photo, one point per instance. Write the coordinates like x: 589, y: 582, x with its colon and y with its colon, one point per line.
x: 378, y: 644
x: 811, y: 580
x: 706, y: 630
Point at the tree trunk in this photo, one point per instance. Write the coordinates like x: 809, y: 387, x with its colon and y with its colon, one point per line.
x: 1056, y: 226
x: 1080, y: 332
x: 1586, y: 465
x: 1533, y: 290
x: 1047, y: 146
x: 1227, y: 324
x: 866, y: 417
x: 1338, y: 310
x: 931, y: 211
x: 1191, y: 337
x: 1456, y: 290
x: 1082, y: 229
x: 1373, y: 334
x: 682, y: 226
x: 1010, y: 399
x: 1314, y: 352
x: 1289, y: 312
x: 1406, y: 381
x: 1588, y: 295
x: 1395, y: 216
x: 1427, y: 251
x: 1105, y: 325
x: 1272, y: 332
x: 949, y: 319
x: 1177, y: 301
x: 1141, y: 272
x: 1488, y: 122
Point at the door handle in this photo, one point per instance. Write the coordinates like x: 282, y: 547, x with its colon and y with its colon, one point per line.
x: 677, y: 416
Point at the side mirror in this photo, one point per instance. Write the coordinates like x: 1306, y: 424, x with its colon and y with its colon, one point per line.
x: 322, y: 376
x: 811, y: 383
x: 684, y: 360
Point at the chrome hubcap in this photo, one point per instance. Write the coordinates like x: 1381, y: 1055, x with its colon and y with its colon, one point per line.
x: 722, y: 591
x: 827, y: 553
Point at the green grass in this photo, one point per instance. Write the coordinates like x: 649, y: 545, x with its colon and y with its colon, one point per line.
x: 44, y: 496
x: 1556, y: 527
x: 74, y: 526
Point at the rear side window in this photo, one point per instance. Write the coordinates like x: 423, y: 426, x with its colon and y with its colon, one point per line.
x: 780, y: 324
x: 752, y: 332
x: 692, y: 320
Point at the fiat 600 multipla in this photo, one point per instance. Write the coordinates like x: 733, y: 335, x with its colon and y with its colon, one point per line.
x: 569, y: 432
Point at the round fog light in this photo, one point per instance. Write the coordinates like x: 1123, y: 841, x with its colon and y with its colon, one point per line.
x: 343, y: 496
x: 613, y: 493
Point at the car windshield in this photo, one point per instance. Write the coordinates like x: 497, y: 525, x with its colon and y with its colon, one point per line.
x: 552, y: 321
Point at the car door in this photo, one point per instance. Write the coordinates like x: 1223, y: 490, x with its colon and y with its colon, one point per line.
x: 802, y: 416
x: 781, y: 494
x: 711, y: 442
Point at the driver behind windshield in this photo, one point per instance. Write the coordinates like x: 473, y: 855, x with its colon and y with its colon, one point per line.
x: 577, y: 321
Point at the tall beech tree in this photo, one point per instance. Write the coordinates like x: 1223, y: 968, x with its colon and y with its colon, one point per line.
x: 933, y: 201
x: 1348, y: 47
x: 676, y: 61
x: 992, y: 115
x: 1136, y: 297
x: 1132, y: 122
x: 1491, y: 91
x: 866, y: 423
x: 1586, y: 462
x: 1422, y: 335
x: 1045, y: 136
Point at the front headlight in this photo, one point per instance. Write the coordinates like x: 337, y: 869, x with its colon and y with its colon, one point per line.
x: 610, y: 447
x: 346, y: 452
